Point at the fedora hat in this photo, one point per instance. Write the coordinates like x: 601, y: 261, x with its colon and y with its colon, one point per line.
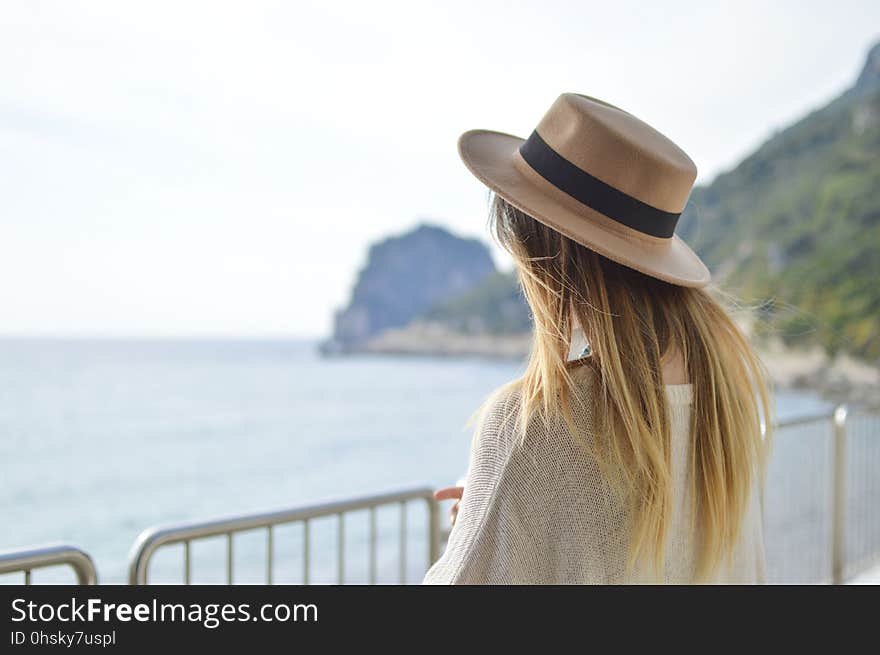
x: 601, y: 177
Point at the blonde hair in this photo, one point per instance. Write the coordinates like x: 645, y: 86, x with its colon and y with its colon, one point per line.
x: 632, y: 321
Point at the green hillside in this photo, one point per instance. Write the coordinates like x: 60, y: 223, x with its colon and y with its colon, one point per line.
x: 496, y: 306
x: 798, y: 223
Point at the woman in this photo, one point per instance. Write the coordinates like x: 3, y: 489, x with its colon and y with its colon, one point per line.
x: 638, y: 455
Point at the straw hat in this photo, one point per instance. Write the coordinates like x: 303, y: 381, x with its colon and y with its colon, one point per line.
x: 601, y: 177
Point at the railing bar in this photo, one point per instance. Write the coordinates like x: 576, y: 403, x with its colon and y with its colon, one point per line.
x: 803, y: 420
x: 838, y: 496
x: 229, y: 556
x: 270, y: 554
x: 372, y: 545
x: 163, y: 535
x: 37, y: 557
x: 340, y: 547
x: 402, y: 555
x: 306, y: 552
x: 186, y: 563
x: 27, y: 577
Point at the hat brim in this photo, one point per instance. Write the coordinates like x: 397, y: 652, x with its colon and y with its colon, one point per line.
x: 491, y: 157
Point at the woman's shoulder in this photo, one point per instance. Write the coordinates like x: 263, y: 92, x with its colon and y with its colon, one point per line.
x: 498, y: 416
x: 501, y: 422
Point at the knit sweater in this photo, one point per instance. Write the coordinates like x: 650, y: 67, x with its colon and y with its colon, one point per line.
x: 538, y: 511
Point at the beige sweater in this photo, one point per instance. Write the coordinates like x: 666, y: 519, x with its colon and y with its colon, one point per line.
x: 538, y: 511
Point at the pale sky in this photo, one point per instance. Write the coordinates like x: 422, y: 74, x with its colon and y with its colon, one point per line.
x: 219, y: 169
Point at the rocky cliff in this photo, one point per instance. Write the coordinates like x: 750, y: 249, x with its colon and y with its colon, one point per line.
x: 404, y: 276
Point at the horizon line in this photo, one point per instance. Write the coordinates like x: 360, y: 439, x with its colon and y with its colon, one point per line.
x: 157, y: 336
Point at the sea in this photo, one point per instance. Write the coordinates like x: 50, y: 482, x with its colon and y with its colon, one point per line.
x: 100, y: 439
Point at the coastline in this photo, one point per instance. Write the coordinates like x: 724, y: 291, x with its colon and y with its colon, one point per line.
x: 841, y: 379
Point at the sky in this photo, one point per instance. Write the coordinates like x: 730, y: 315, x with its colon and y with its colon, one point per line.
x: 214, y: 169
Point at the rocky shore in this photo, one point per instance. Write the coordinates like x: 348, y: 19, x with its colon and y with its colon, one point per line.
x: 438, y: 340
x: 841, y: 379
x: 838, y: 379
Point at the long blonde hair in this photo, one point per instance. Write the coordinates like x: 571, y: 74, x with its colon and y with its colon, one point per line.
x: 632, y: 321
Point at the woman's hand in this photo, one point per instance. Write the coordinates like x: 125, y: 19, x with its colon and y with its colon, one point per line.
x: 450, y: 493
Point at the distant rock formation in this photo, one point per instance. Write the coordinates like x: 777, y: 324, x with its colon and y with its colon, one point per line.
x: 404, y: 276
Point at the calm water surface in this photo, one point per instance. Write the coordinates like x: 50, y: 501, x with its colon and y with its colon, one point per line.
x: 100, y: 439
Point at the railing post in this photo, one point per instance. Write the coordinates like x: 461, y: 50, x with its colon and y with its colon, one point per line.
x: 433, y: 530
x: 838, y: 497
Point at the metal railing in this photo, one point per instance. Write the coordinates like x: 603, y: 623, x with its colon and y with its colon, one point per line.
x: 25, y: 560
x: 152, y: 539
x: 821, y: 516
x: 822, y: 498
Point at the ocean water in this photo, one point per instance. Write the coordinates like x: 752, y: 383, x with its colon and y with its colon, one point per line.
x: 101, y: 439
